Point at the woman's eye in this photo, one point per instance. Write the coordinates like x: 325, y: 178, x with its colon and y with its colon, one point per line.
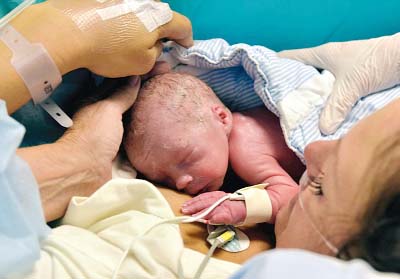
x: 315, y: 185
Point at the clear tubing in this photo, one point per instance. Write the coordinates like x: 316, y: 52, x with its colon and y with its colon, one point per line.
x: 8, y: 17
x: 328, y: 244
x: 177, y: 220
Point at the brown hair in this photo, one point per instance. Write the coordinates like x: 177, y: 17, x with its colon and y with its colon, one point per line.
x: 378, y: 241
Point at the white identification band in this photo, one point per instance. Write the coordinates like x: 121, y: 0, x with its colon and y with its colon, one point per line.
x: 152, y: 14
x: 37, y: 69
x: 258, y: 204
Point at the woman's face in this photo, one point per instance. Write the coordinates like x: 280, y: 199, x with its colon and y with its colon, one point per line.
x: 333, y: 195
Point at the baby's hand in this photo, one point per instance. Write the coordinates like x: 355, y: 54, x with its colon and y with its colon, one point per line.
x: 228, y: 212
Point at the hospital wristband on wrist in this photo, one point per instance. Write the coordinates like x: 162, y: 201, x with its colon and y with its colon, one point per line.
x: 37, y: 69
x: 258, y: 204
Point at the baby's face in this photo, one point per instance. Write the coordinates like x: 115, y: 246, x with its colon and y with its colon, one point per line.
x: 193, y: 161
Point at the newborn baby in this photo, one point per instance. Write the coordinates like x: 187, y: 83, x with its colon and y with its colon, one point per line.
x: 181, y: 134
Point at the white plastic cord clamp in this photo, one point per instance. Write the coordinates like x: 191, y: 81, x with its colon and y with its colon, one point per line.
x: 37, y: 69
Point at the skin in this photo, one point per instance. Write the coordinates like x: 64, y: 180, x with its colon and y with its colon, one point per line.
x: 258, y: 154
x: 85, y: 155
x: 81, y: 160
x: 344, y: 166
x: 179, y: 159
x: 194, y: 234
x: 193, y: 156
x: 71, y: 49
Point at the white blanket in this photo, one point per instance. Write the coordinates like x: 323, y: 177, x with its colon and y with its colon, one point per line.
x: 96, y: 230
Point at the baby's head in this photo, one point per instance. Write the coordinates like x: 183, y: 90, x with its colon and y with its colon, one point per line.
x: 178, y: 134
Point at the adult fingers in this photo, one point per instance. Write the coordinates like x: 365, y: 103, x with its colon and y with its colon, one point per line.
x: 179, y: 29
x: 161, y: 67
x: 157, y: 50
x: 306, y: 55
x: 343, y: 97
x: 322, y: 57
x: 125, y: 97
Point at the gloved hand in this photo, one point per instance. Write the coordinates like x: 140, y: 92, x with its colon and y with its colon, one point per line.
x: 118, y: 38
x: 228, y: 212
x: 360, y: 67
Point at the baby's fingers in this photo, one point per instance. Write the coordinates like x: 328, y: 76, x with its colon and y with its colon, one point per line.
x: 229, y: 213
x: 220, y: 217
x: 201, y: 202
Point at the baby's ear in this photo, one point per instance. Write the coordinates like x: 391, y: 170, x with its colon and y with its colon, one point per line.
x: 224, y: 116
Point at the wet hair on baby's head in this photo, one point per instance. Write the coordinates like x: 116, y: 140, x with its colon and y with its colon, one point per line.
x: 170, y: 101
x: 172, y: 97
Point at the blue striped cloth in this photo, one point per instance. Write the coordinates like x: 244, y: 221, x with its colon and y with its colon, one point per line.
x: 241, y: 71
x: 246, y: 76
x: 308, y: 131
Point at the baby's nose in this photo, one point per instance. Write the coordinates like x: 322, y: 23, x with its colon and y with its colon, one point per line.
x: 183, y: 181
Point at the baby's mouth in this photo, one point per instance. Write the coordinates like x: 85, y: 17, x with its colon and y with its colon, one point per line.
x: 213, y: 185
x: 199, y: 188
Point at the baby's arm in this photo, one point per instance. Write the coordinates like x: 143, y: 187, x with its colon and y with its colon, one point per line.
x: 259, y: 154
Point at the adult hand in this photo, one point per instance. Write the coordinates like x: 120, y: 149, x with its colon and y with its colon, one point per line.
x: 103, y: 36
x: 360, y: 67
x: 113, y: 35
x: 161, y: 67
x: 81, y: 160
x: 228, y: 212
x: 98, y: 130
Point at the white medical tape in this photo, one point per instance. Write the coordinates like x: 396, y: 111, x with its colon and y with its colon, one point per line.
x: 37, y: 69
x: 258, y: 204
x: 152, y: 14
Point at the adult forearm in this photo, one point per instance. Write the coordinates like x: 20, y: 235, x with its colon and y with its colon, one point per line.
x: 61, y: 174
x: 37, y: 24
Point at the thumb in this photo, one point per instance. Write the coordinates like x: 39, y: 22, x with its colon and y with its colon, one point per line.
x: 220, y: 217
x: 161, y: 67
x: 322, y: 57
x: 339, y: 104
x: 125, y: 97
x: 307, y: 56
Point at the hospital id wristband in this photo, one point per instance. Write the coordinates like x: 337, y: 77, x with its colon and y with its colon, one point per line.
x: 32, y: 63
x: 258, y: 204
x: 37, y: 69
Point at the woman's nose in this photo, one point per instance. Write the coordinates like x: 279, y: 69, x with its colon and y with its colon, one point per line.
x: 183, y: 181
x: 316, y: 153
